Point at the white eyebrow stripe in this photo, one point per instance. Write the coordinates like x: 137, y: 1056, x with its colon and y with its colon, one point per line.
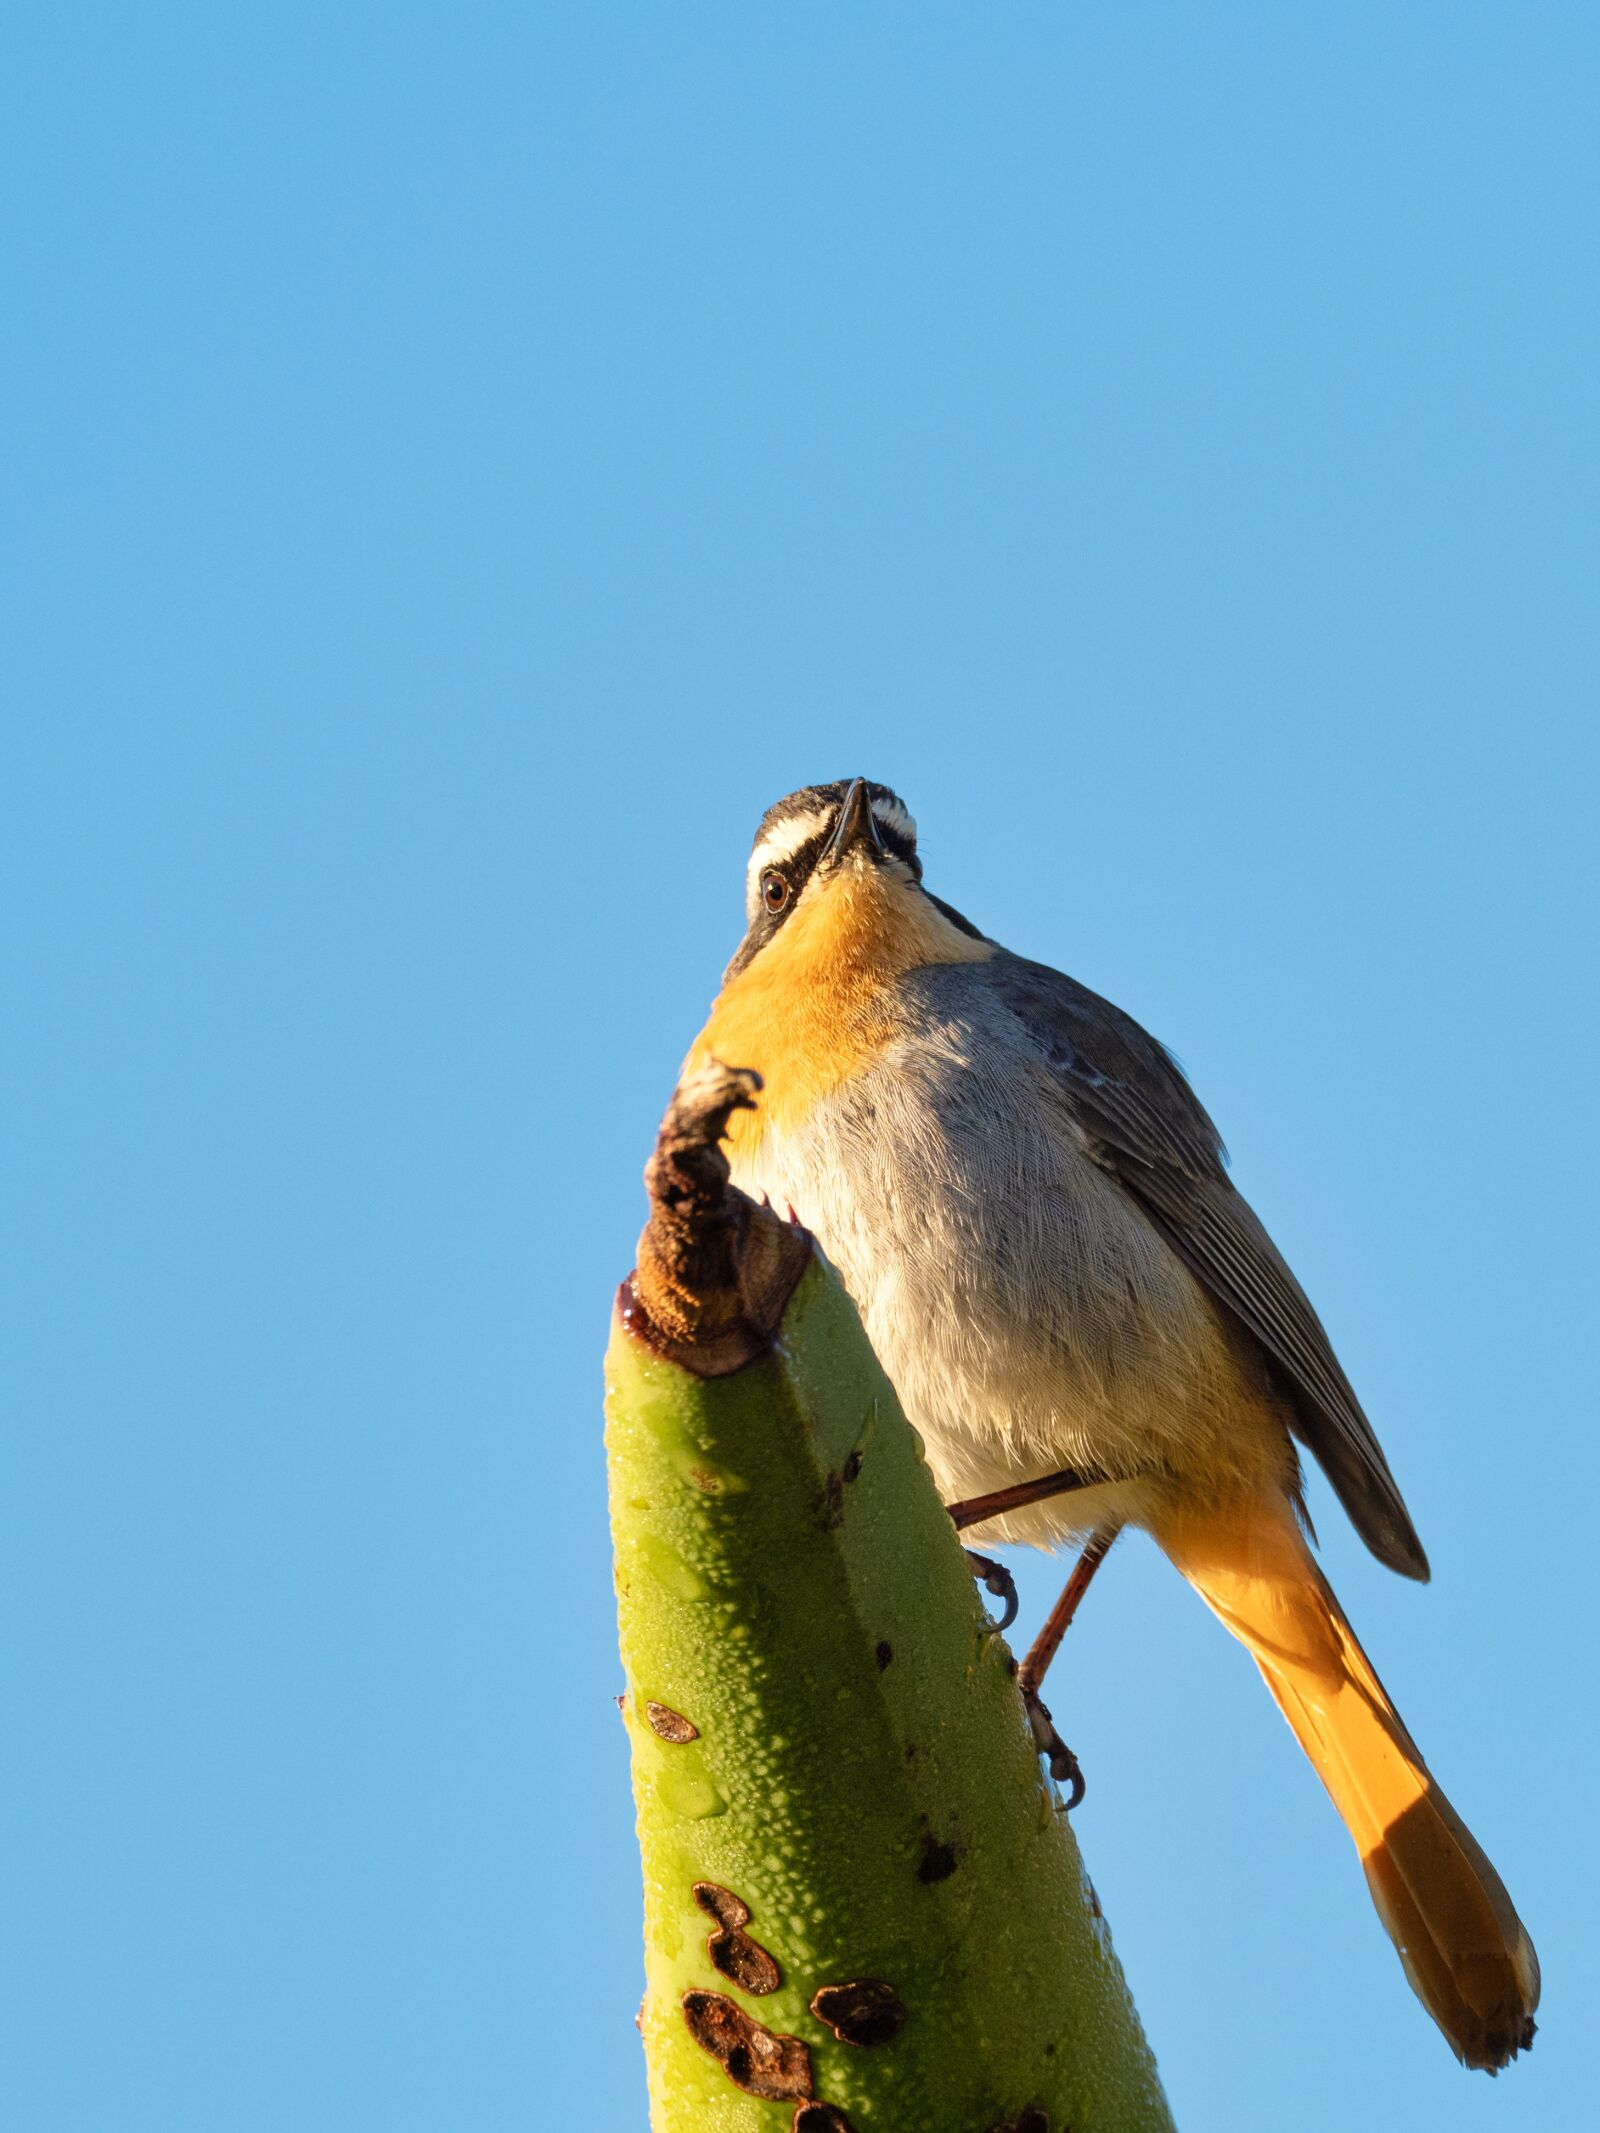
x: 894, y: 814
x: 784, y: 839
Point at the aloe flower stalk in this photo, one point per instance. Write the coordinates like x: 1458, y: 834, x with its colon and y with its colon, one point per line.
x: 864, y: 1908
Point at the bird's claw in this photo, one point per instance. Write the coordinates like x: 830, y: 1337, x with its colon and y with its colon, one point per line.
x: 996, y: 1580
x: 1064, y: 1765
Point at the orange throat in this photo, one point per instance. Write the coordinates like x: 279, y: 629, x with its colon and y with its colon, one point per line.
x: 815, y: 1006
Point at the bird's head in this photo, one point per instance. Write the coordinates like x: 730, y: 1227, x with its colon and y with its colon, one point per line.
x: 838, y: 863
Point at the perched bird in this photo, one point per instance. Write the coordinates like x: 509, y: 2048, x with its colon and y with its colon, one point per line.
x: 1085, y: 1321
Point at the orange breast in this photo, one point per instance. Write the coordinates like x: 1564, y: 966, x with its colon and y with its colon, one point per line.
x: 817, y: 1005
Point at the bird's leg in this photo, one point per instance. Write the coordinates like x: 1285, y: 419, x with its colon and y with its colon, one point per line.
x: 995, y: 1578
x: 1063, y: 1763
x: 973, y: 1510
x: 1048, y: 1642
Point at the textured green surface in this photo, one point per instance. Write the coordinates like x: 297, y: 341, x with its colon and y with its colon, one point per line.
x: 863, y: 1778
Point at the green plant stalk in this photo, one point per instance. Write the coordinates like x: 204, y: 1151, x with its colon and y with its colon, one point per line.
x: 828, y: 1740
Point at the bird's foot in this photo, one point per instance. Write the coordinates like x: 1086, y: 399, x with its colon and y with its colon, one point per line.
x: 996, y: 1580
x: 1064, y: 1766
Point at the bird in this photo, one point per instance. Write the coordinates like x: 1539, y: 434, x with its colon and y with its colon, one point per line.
x: 1085, y: 1321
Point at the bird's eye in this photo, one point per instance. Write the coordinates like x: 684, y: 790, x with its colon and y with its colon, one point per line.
x: 774, y: 890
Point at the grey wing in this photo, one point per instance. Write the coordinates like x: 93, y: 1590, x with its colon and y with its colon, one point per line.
x: 1147, y: 1127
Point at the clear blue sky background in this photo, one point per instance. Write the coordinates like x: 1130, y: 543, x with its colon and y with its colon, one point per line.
x: 462, y: 463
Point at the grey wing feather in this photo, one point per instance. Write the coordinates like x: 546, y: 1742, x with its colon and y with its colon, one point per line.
x: 1148, y: 1128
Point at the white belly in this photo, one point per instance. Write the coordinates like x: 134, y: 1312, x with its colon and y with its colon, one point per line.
x: 1027, y: 1311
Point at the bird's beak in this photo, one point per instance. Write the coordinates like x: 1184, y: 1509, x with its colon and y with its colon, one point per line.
x: 855, y: 829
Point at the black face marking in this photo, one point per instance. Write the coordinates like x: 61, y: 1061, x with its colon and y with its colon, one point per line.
x: 782, y: 883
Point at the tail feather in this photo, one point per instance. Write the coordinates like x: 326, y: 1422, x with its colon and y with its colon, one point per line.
x: 1465, y: 1951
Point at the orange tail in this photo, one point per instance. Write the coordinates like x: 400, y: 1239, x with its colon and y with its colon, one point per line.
x: 1465, y: 1950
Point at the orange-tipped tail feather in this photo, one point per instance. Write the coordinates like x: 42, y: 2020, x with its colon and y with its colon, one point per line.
x: 1465, y: 1950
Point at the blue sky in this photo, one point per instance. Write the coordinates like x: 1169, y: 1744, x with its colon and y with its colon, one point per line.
x: 463, y: 464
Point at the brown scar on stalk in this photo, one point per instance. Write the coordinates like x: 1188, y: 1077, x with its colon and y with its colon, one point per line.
x: 671, y: 1724
x: 820, y: 2118
x: 830, y: 1498
x: 730, y: 1948
x: 715, y: 1271
x: 866, y: 2011
x: 936, y: 1861
x: 757, y: 2060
